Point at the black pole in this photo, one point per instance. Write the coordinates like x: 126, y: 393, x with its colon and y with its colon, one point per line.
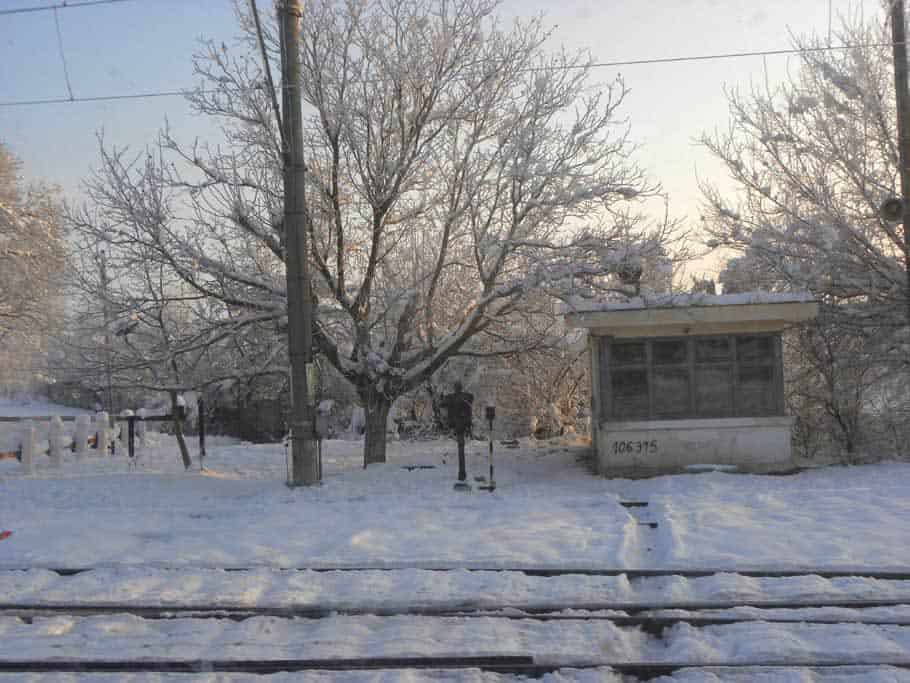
x: 492, y: 479
x: 491, y: 451
x: 200, y: 406
x: 491, y: 415
x: 131, y: 436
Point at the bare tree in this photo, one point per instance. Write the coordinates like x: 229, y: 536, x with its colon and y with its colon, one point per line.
x: 812, y: 160
x: 31, y: 255
x: 135, y: 324
x: 833, y: 380
x: 456, y: 170
x: 834, y: 366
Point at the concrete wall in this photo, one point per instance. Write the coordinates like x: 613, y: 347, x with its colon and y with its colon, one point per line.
x: 645, y: 448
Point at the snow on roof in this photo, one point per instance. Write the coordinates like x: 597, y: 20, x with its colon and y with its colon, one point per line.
x: 688, y: 300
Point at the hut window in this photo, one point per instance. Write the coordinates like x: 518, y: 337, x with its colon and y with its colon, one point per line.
x: 713, y: 376
x: 629, y: 380
x: 693, y: 377
x: 670, y: 378
x: 755, y: 381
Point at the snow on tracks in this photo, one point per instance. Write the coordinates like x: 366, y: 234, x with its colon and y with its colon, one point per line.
x: 419, y: 588
x: 409, y: 619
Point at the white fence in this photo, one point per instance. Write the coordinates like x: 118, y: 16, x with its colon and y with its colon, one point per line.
x: 91, y: 433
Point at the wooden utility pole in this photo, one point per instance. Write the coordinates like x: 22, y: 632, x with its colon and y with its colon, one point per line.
x: 304, y: 470
x: 902, y: 95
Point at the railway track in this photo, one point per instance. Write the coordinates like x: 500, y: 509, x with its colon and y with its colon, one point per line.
x: 518, y: 665
x: 655, y: 619
x: 552, y: 612
x: 545, y: 572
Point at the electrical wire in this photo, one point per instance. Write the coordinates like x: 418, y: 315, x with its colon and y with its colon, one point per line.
x: 66, y: 71
x: 266, y: 67
x: 100, y: 98
x: 594, y: 65
x: 721, y: 55
x: 59, y: 5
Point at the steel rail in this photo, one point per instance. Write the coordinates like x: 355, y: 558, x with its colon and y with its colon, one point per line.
x: 651, y: 625
x: 632, y: 573
x: 509, y: 664
x: 455, y: 609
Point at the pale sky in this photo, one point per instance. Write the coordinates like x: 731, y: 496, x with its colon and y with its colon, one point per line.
x: 147, y: 45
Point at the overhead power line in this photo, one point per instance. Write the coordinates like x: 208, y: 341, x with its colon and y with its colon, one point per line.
x: 104, y: 98
x: 626, y: 62
x: 66, y: 71
x: 59, y: 5
x: 734, y: 55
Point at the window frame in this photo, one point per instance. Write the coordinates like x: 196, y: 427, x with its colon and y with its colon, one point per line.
x: 774, y: 362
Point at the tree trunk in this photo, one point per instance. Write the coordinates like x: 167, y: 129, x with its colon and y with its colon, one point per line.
x: 184, y: 452
x: 847, y: 434
x: 850, y: 442
x: 439, y: 422
x: 178, y: 432
x: 376, y: 407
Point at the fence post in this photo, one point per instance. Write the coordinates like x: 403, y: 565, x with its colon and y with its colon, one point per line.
x: 28, y: 447
x: 125, y: 435
x: 80, y: 438
x: 140, y: 428
x: 54, y: 441
x: 102, y: 428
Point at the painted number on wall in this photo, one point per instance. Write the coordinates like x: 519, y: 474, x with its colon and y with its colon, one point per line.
x: 635, y: 447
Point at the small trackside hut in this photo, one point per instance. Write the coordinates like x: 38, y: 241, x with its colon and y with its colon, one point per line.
x: 685, y: 380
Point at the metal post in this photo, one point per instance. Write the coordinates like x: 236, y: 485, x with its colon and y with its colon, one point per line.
x: 492, y: 478
x: 131, y: 437
x: 490, y: 415
x: 200, y: 407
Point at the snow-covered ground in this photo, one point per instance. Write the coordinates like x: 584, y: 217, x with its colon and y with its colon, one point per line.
x: 156, y: 535
x: 547, y: 511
